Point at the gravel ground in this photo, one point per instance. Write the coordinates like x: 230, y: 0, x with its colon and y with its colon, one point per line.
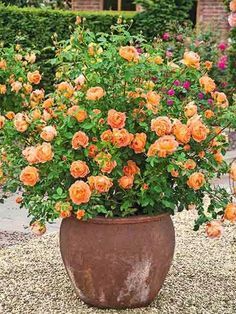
x: 12, y: 238
x: 202, y: 279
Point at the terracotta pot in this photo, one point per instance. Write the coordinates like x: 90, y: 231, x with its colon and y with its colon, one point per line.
x: 118, y: 263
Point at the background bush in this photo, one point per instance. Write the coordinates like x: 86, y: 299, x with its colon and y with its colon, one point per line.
x: 35, y: 28
x: 232, y: 50
x: 162, y: 15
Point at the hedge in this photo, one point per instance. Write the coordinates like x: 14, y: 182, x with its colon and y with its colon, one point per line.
x: 34, y: 28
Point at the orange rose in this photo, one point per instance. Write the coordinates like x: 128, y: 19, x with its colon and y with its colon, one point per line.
x: 80, y: 81
x: 66, y: 89
x: 27, y: 88
x: 182, y: 133
x: 174, y: 173
x: 207, y: 83
x: 126, y: 182
x: 122, y: 138
x: 92, y: 151
x: 80, y: 192
x: 220, y: 99
x: 2, y: 121
x: 214, y: 229
x: 80, y: 214
x: 218, y: 157
x: 108, y: 166
x: 34, y: 77
x: 161, y: 125
x: 79, y: 114
x: 153, y: 98
x: 139, y: 142
x: 44, y: 152
x: 107, y: 136
x: 80, y: 139
x: 190, y: 109
x: 101, y: 184
x: 208, y: 65
x: 129, y: 53
x: 3, y: 89
x: 48, y: 103
x: 65, y: 214
x: 10, y: 115
x: 131, y: 169
x: 230, y: 212
x: 209, y: 114
x: 16, y: 86
x: 95, y: 93
x: 201, y: 154
x: 3, y: 64
x: 232, y: 6
x: 233, y: 171
x: 190, y: 164
x: 199, y: 132
x: 116, y: 119
x: 31, y: 58
x: 196, y: 180
x: 191, y: 59
x: 79, y: 169
x: 36, y: 114
x: 164, y: 146
x: 30, y: 155
x: 19, y: 199
x: 48, y: 133
x: 36, y: 97
x: 38, y: 228
x: 29, y: 176
x: 20, y: 123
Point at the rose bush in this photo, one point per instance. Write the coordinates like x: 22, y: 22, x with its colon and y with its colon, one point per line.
x: 124, y: 133
x: 18, y: 78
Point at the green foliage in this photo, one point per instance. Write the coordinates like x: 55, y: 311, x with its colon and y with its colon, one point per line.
x: 36, y: 28
x: 111, y: 112
x: 161, y: 15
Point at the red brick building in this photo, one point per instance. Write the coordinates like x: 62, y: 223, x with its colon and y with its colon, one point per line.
x: 210, y: 12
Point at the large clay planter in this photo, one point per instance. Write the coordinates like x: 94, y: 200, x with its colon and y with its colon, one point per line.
x: 118, y: 263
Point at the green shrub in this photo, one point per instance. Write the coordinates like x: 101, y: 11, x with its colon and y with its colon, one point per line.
x: 161, y: 15
x: 232, y: 50
x: 35, y: 29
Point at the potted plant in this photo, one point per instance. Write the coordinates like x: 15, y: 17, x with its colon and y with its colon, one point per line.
x: 124, y: 142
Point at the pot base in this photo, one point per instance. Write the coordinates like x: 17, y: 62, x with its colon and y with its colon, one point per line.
x: 118, y: 263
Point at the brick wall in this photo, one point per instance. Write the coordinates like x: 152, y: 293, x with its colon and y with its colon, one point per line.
x: 86, y: 5
x: 213, y: 14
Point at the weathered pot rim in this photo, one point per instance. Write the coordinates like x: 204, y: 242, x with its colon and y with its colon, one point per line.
x: 126, y: 220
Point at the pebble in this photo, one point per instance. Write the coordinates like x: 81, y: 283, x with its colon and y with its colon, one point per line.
x: 202, y: 279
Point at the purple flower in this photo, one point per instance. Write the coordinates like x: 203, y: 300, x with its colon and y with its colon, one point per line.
x: 179, y: 37
x: 222, y: 65
x: 210, y: 101
x: 200, y: 95
x: 177, y: 83
x: 166, y: 36
x: 186, y: 85
x: 169, y: 54
x: 222, y: 46
x: 170, y: 102
x: 171, y: 92
x: 139, y: 50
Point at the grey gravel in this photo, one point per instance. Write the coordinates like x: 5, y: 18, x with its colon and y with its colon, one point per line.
x: 202, y: 279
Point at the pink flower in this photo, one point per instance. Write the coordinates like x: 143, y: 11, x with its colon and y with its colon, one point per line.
x: 232, y: 20
x: 222, y: 46
x: 169, y: 54
x: 166, y: 36
x: 171, y: 92
x: 186, y: 85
